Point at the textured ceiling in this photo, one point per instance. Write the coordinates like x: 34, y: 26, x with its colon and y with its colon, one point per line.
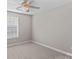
x: 45, y: 5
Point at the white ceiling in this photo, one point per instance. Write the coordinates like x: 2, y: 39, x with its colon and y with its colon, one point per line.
x: 45, y: 5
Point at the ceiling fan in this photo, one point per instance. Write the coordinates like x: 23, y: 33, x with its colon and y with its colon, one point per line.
x: 26, y: 5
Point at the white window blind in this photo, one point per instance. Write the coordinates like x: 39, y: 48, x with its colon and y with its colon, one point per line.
x: 12, y: 27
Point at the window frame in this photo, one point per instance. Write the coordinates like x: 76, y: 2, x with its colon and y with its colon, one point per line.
x: 17, y: 27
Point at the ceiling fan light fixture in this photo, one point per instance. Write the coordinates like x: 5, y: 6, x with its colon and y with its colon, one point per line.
x: 27, y: 9
x: 27, y: 6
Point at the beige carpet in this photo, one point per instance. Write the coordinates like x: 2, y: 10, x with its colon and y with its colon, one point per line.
x: 33, y: 51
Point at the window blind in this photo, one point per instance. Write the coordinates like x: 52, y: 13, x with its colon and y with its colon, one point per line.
x: 12, y: 27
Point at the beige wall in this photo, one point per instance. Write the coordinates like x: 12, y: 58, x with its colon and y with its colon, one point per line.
x: 25, y: 23
x: 54, y: 28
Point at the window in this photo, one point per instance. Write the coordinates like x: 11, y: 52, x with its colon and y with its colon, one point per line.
x: 12, y: 26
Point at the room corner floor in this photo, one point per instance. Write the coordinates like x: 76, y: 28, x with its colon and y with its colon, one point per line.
x: 33, y: 51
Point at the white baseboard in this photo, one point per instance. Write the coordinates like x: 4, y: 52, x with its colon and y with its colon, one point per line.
x: 55, y: 49
x: 19, y: 43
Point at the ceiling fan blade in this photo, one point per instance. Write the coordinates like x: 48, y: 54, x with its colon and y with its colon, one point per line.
x: 20, y: 8
x: 30, y: 1
x: 20, y: 1
x: 35, y: 7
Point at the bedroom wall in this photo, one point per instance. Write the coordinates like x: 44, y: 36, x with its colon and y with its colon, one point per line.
x: 25, y: 29
x: 54, y: 28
